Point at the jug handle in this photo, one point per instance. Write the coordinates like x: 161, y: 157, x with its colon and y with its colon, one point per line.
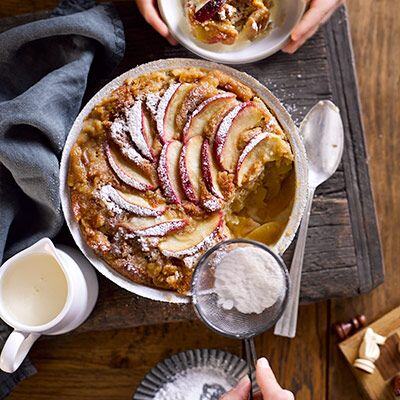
x: 15, y: 350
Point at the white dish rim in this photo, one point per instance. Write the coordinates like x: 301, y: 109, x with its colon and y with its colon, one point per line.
x: 300, y: 162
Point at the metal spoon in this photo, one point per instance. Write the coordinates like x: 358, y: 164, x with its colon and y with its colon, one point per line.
x: 322, y: 132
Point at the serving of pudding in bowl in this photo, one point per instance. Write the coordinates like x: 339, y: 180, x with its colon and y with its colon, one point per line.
x: 232, y: 31
x: 228, y: 21
x: 174, y: 158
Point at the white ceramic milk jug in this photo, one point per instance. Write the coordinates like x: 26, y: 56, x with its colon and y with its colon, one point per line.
x: 44, y: 290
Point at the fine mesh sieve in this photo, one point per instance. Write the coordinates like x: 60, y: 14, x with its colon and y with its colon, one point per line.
x: 233, y: 323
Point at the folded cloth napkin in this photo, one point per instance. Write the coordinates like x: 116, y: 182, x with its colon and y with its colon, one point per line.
x: 44, y: 70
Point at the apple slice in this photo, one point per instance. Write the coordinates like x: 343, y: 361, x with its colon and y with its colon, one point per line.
x: 243, y: 117
x: 201, y: 115
x: 140, y: 138
x: 190, y: 168
x: 208, y: 10
x: 265, y: 147
x: 268, y: 233
x: 129, y: 202
x: 168, y: 171
x: 196, y: 95
x: 162, y: 229
x: 119, y: 135
x: 167, y: 110
x: 198, y: 238
x: 215, y: 121
x: 209, y: 170
x: 127, y: 172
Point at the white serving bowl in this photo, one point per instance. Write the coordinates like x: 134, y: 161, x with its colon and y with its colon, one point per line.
x: 300, y: 162
x: 286, y: 15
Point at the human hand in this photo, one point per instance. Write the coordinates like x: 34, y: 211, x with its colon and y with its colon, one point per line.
x: 149, y: 10
x: 270, y: 389
x: 318, y: 13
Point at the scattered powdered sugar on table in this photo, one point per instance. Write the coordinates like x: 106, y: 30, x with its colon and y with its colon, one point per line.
x: 197, y: 383
x: 248, y: 279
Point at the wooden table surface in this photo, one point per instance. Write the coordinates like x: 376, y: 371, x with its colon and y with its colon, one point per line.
x: 109, y: 365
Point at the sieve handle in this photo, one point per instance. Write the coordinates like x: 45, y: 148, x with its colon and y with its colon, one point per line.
x: 251, y: 358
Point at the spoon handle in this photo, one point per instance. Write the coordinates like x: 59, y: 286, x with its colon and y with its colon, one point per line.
x: 287, y: 324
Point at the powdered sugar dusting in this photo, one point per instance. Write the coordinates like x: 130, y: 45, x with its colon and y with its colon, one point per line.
x: 149, y: 245
x: 162, y: 108
x: 162, y: 228
x: 135, y: 126
x: 111, y: 196
x: 131, y: 268
x: 152, y: 101
x: 212, y: 204
x: 191, y: 261
x: 119, y: 135
x: 224, y: 127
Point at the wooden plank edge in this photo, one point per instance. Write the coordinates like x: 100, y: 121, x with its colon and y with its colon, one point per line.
x: 358, y: 185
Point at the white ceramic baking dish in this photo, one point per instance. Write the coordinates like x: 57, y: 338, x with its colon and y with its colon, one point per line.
x: 300, y: 162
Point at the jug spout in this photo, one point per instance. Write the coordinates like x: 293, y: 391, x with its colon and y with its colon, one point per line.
x: 44, y: 245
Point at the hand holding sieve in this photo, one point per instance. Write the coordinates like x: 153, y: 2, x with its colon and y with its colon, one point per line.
x: 232, y: 323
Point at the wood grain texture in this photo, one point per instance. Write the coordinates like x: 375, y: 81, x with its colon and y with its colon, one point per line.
x: 109, y: 365
x: 375, y: 31
x: 14, y: 7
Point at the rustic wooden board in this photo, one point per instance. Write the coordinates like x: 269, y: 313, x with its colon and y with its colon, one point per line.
x: 343, y: 255
x: 376, y: 386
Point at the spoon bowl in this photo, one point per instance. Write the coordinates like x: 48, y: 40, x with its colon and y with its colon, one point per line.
x: 322, y: 131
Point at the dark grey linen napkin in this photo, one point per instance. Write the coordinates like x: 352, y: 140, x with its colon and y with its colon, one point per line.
x: 44, y: 70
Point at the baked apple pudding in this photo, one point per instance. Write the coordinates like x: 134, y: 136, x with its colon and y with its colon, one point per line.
x: 228, y: 21
x: 173, y: 162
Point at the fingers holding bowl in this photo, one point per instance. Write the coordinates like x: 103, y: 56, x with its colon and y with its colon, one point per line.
x: 150, y: 12
x: 318, y: 13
